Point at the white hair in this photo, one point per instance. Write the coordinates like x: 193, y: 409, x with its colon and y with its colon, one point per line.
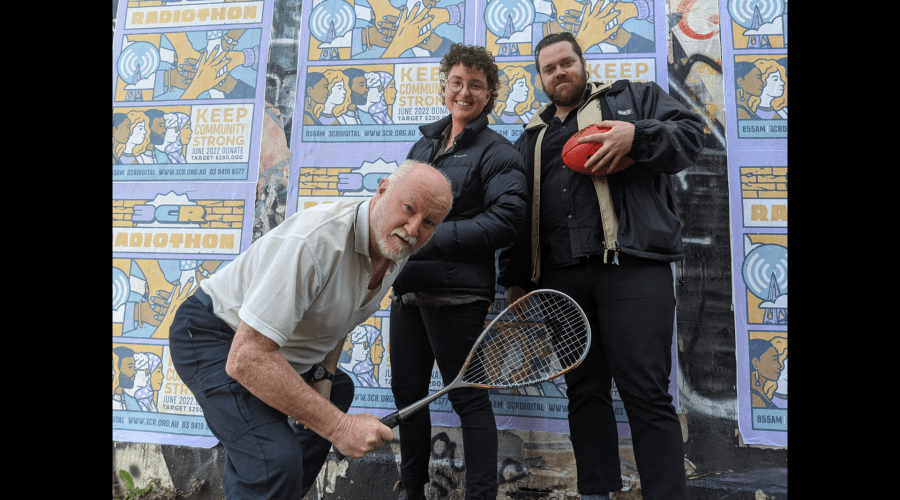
x: 373, y: 80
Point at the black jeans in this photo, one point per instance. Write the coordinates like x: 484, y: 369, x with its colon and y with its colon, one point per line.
x: 421, y: 335
x: 267, y: 456
x: 631, y: 310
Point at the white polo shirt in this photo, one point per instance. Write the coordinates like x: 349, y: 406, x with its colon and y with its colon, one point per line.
x: 304, y: 284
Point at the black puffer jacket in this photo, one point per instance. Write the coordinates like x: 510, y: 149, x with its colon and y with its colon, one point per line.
x: 488, y: 181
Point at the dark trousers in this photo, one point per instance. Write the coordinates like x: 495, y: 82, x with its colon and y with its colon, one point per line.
x: 268, y: 456
x: 631, y: 310
x: 421, y: 335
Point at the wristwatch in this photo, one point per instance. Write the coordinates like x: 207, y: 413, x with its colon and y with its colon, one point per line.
x: 320, y: 373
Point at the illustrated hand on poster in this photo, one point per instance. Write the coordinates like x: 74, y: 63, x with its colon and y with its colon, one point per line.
x: 409, y: 30
x: 600, y: 24
x: 209, y: 72
x: 166, y: 303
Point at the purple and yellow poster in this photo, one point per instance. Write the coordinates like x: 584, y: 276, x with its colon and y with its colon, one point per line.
x: 188, y: 90
x: 188, y: 103
x: 369, y: 76
x: 754, y: 63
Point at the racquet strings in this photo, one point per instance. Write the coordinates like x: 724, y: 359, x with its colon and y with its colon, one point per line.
x: 529, y: 344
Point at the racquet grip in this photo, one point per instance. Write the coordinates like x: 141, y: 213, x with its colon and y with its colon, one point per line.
x: 392, y: 420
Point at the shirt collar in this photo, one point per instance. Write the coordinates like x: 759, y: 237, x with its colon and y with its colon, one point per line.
x: 361, y: 227
x: 548, y: 114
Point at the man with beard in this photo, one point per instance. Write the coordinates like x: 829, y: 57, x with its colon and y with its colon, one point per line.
x: 157, y: 131
x: 126, y: 375
x: 358, y: 95
x: 258, y: 342
x: 607, y: 241
x: 171, y: 149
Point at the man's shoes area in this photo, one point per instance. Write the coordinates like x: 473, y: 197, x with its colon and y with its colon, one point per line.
x: 409, y: 494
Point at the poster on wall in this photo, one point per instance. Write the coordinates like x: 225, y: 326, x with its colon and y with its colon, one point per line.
x: 189, y: 90
x: 369, y: 76
x: 167, y: 238
x: 188, y: 100
x: 754, y: 57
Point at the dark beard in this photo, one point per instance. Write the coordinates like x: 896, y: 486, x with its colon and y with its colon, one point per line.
x: 358, y: 99
x: 125, y: 382
x: 564, y: 100
x: 156, y: 139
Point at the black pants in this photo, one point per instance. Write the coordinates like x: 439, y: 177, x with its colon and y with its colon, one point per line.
x: 268, y: 456
x: 631, y: 310
x: 421, y: 335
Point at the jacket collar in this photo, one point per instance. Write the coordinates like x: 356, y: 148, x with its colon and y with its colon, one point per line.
x: 594, y: 89
x: 435, y: 129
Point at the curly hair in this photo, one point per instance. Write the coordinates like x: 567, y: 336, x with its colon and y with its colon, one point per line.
x: 472, y: 56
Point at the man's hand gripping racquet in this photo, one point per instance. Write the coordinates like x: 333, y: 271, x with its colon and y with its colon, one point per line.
x: 537, y: 338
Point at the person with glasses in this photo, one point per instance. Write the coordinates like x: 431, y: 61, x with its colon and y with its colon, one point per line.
x: 443, y: 294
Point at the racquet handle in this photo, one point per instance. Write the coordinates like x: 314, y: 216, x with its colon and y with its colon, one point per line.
x: 392, y: 420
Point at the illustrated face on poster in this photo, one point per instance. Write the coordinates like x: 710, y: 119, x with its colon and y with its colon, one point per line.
x: 399, y: 97
x: 384, y: 29
x: 151, y: 135
x: 363, y: 355
x: 768, y: 354
x: 137, y: 377
x: 519, y: 94
x: 149, y: 396
x: 168, y: 142
x: 761, y: 95
x: 200, y: 64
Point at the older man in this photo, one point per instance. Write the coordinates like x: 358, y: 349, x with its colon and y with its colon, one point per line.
x: 249, y: 342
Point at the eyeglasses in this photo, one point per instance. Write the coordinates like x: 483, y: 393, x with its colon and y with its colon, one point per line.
x: 476, y: 88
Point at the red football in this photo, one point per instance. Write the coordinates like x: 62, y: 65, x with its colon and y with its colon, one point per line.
x: 574, y: 155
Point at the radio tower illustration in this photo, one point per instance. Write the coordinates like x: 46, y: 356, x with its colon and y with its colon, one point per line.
x: 332, y: 53
x: 508, y: 49
x: 757, y: 41
x: 136, y: 94
x: 774, y: 316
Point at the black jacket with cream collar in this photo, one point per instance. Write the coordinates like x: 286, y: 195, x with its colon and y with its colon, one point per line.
x: 668, y: 138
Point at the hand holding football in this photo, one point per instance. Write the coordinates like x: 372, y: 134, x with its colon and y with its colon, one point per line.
x: 575, y: 154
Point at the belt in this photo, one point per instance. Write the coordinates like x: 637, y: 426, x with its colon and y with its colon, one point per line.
x: 202, y: 296
x: 587, y: 259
